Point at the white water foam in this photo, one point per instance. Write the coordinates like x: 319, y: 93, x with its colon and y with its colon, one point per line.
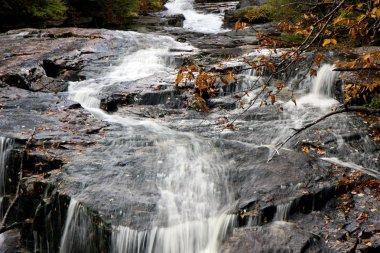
x: 194, y: 21
x: 322, y: 89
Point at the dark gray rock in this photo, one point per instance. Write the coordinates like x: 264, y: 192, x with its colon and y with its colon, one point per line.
x: 273, y: 237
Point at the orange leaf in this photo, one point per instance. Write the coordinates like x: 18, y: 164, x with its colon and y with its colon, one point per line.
x: 270, y: 66
x: 240, y: 25
x: 273, y: 99
x: 179, y: 77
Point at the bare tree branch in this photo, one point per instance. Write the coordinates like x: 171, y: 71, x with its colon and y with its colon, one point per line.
x: 356, y: 69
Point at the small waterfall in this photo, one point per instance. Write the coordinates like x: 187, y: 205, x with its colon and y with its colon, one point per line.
x: 6, y: 145
x: 322, y: 89
x: 194, y: 21
x: 195, y: 198
x: 82, y: 233
x: 282, y: 212
x: 189, y: 237
x: 323, y: 84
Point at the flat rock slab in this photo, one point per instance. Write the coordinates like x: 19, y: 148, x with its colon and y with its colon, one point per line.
x: 44, y: 60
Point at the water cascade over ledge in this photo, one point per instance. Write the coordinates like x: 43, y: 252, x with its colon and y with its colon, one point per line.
x: 322, y: 89
x: 192, y: 213
x: 5, y: 147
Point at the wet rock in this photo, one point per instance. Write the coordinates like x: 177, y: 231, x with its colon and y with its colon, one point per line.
x: 274, y: 237
x: 37, y: 62
x: 10, y: 241
x: 176, y: 20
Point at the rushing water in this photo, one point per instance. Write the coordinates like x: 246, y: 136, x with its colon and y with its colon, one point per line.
x: 5, y: 148
x: 194, y: 21
x: 322, y: 91
x: 195, y: 198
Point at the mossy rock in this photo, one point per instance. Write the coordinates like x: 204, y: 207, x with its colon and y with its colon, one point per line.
x: 252, y: 14
x: 375, y: 103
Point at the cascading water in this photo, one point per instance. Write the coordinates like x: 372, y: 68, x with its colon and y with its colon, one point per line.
x: 324, y: 83
x: 193, y: 208
x: 194, y: 21
x: 5, y: 147
x: 322, y: 88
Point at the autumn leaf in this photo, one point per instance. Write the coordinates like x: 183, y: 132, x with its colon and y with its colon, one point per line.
x: 270, y: 66
x: 193, y: 67
x: 306, y: 150
x: 318, y: 58
x: 375, y: 13
x: 179, y: 78
x: 329, y: 41
x: 240, y: 25
x: 313, y: 72
x: 190, y: 75
x: 273, y: 99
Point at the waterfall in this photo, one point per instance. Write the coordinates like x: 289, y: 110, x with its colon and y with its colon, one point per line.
x: 323, y: 84
x: 189, y: 237
x: 6, y: 145
x: 282, y: 211
x: 194, y: 21
x: 322, y: 89
x: 82, y: 233
x: 192, y: 213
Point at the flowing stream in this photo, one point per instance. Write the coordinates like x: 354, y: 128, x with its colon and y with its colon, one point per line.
x: 195, y: 198
x: 194, y: 21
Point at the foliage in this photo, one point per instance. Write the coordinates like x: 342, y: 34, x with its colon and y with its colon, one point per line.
x: 284, y: 10
x: 149, y: 5
x: 367, y: 83
x: 49, y: 9
x: 322, y: 25
x: 37, y: 13
x: 375, y: 103
x: 355, y: 21
x: 23, y: 12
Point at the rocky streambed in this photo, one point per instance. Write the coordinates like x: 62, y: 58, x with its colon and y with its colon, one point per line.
x: 113, y: 160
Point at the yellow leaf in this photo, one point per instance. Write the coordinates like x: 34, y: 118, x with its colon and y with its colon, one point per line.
x: 328, y: 41
x: 375, y: 12
x: 306, y: 150
x: 325, y: 42
x: 348, y: 86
